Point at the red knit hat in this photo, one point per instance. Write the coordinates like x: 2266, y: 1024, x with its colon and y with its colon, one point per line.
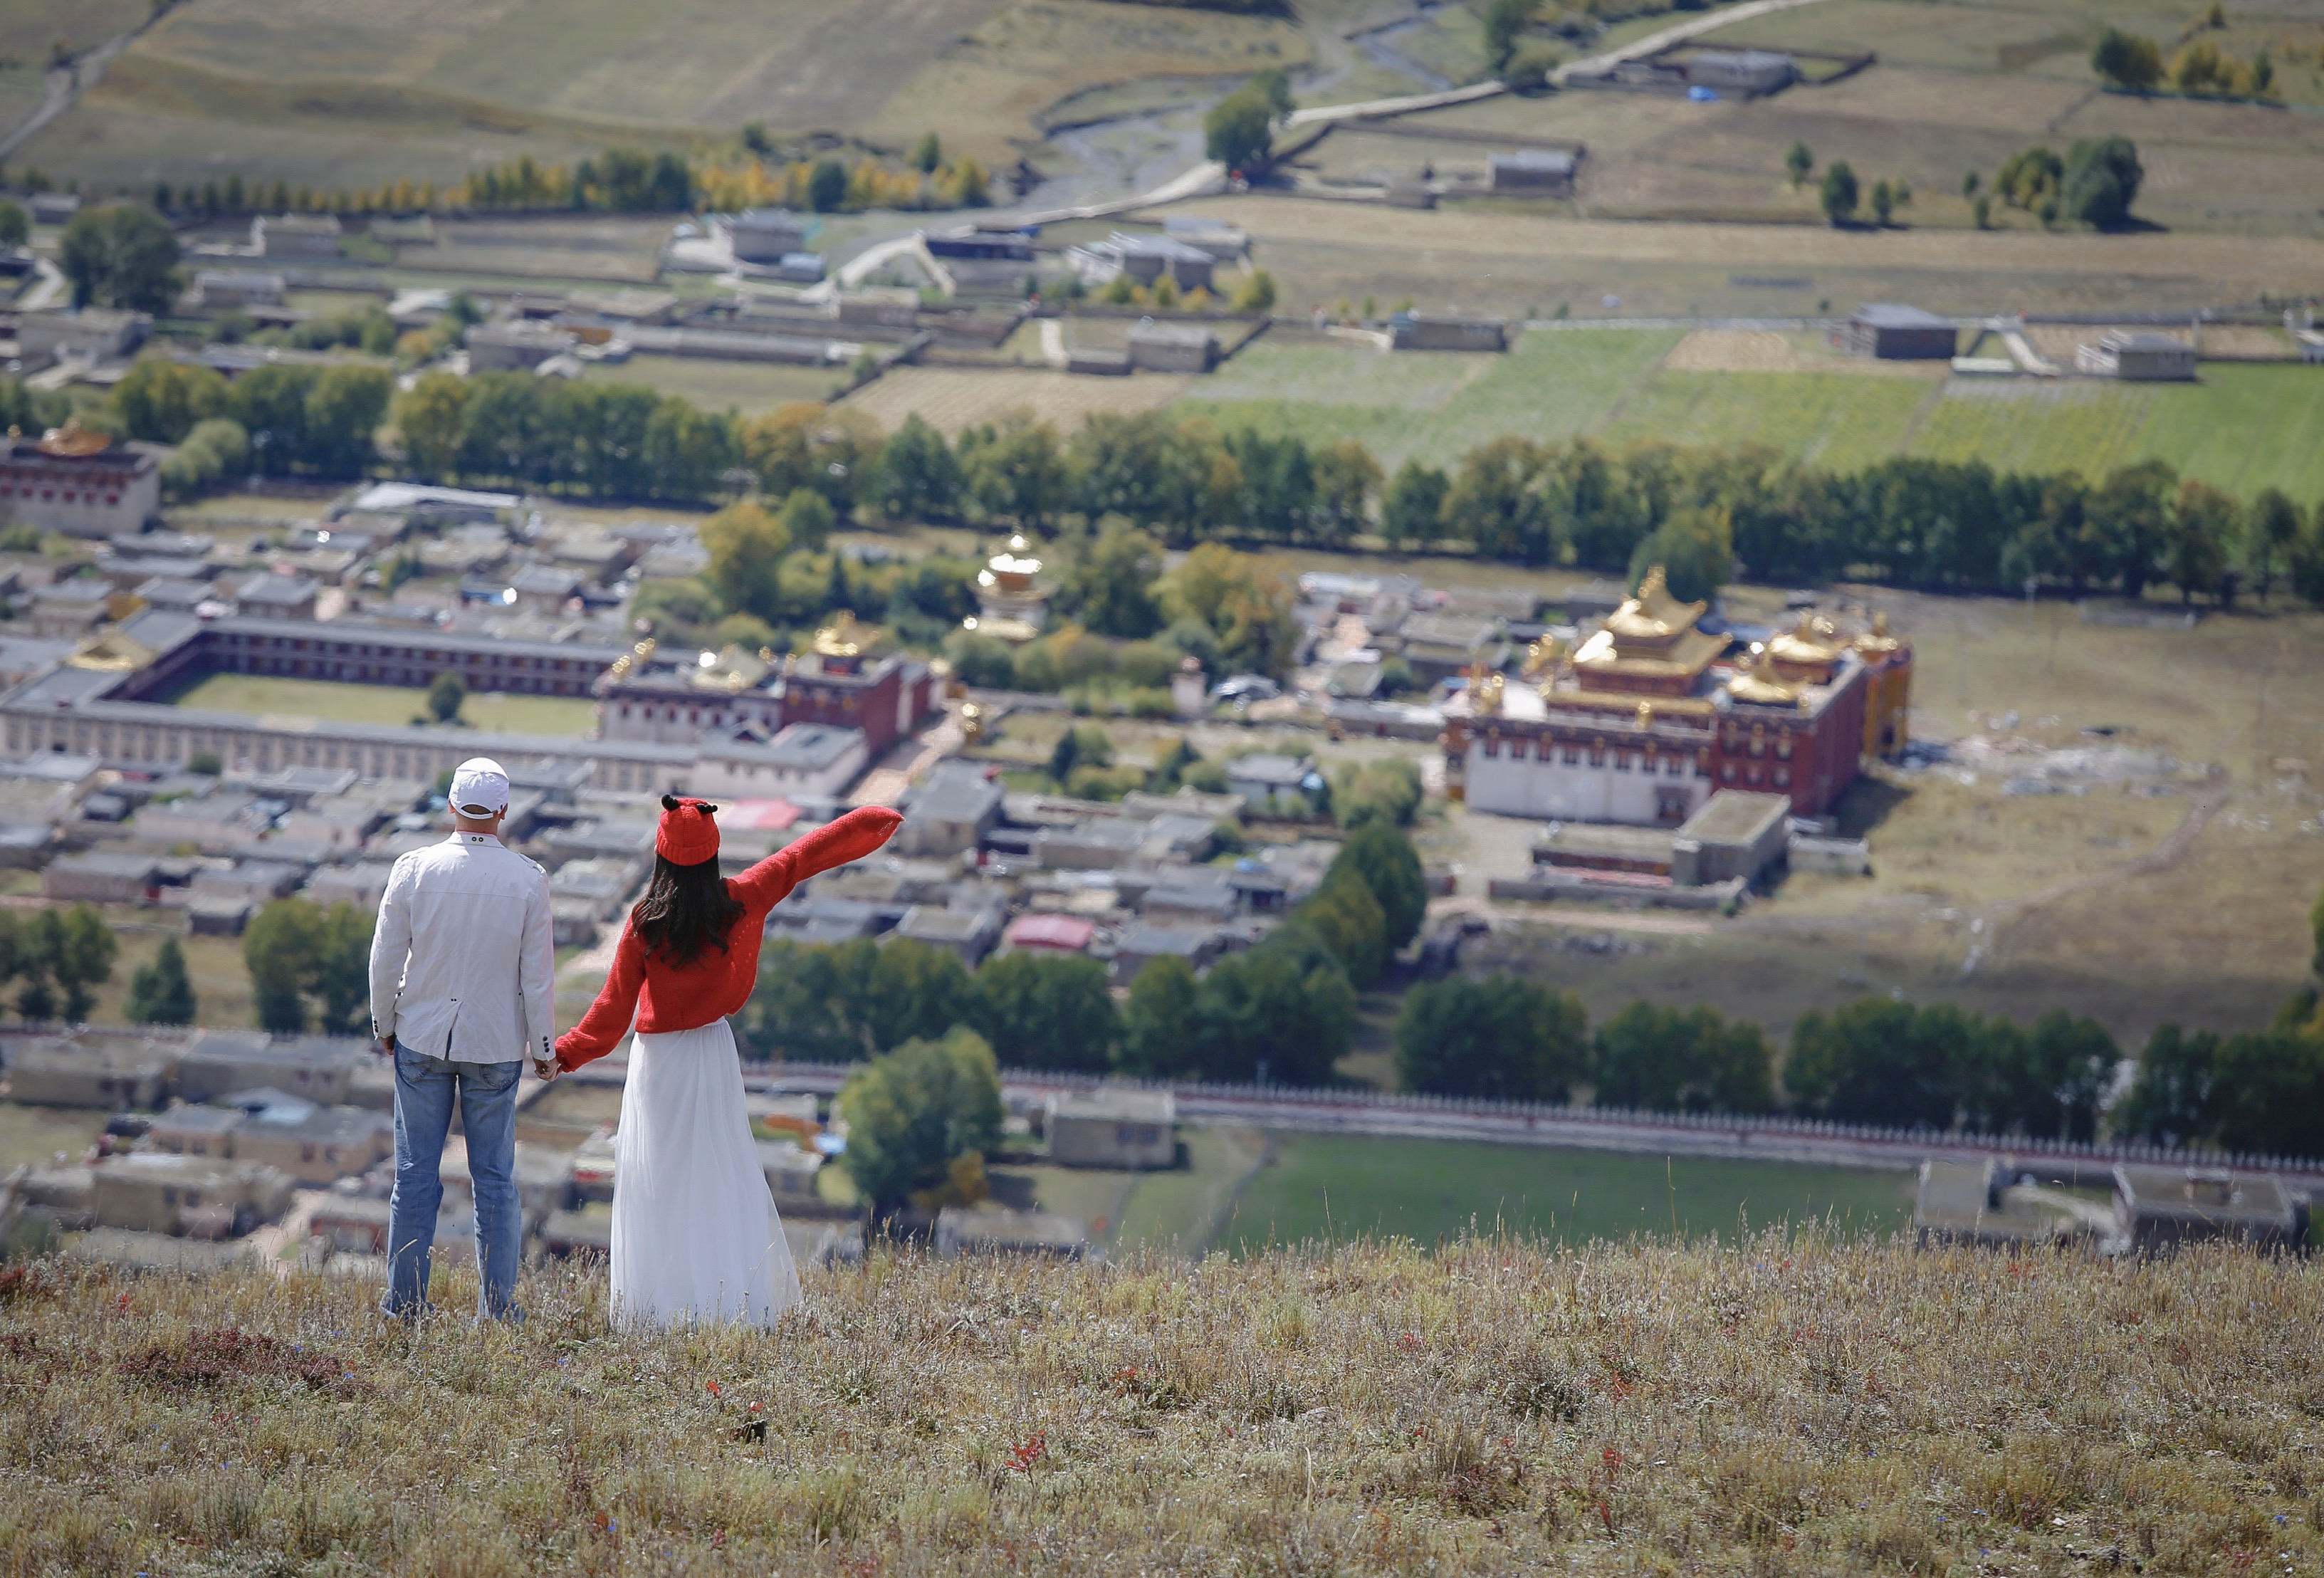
x: 686, y: 836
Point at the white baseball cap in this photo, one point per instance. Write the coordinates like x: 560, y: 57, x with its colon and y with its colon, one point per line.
x: 480, y: 786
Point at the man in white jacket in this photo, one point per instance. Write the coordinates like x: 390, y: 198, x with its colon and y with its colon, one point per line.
x: 462, y: 992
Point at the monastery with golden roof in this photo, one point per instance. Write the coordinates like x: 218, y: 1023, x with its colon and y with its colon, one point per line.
x: 1649, y: 715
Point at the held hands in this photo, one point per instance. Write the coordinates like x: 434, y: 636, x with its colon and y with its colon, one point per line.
x: 545, y: 1070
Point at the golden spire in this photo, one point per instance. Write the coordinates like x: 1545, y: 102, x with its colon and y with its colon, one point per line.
x: 1646, y: 718
x: 843, y: 637
x: 1877, y: 642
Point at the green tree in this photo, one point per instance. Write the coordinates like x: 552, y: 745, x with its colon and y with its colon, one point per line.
x: 1499, y: 502
x: 1696, y: 549
x: 431, y: 417
x: 2272, y: 534
x: 928, y: 155
x: 1798, y: 163
x: 1876, y: 1061
x: 1389, y: 867
x: 2206, y: 524
x: 1351, y: 922
x: 1282, y: 1013
x: 826, y: 186
x: 1048, y: 1011
x: 1255, y: 294
x: 1505, y: 23
x: 913, y: 990
x: 2101, y: 182
x: 1159, y: 1022
x: 1014, y: 470
x: 1108, y: 586
x: 344, y: 410
x: 339, y: 977
x: 120, y: 256
x: 160, y: 399
x: 1239, y: 131
x: 914, y: 1112
x: 1082, y: 745
x: 1386, y: 791
x: 2169, y: 1102
x: 1247, y: 603
x: 746, y: 547
x: 1346, y: 479
x: 2128, y: 60
x: 1412, y: 512
x: 1500, y: 1037
x: 2128, y: 519
x: 1884, y: 202
x: 279, y: 947
x: 447, y: 697
x: 15, y: 224
x: 2267, y: 1092
x: 808, y: 519
x: 60, y: 955
x: 161, y: 992
x: 1839, y: 193
x: 1669, y: 1059
x: 917, y: 477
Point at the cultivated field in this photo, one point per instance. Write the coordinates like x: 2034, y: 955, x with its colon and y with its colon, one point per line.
x: 31, y: 1136
x: 1773, y: 1406
x: 748, y: 387
x: 2244, y: 426
x: 1505, y: 257
x: 490, y: 710
x: 953, y: 398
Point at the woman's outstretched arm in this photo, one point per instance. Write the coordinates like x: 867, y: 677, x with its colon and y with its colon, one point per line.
x: 849, y: 837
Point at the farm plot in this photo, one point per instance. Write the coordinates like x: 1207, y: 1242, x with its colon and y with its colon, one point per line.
x: 953, y: 398
x: 748, y: 387
x: 1435, y: 406
x: 1831, y: 420
x: 2019, y: 425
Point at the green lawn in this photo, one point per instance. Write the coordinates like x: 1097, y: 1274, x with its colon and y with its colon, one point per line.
x: 1427, y: 1190
x: 2243, y: 426
x: 1436, y: 405
x: 748, y: 387
x: 1838, y: 421
x: 493, y: 710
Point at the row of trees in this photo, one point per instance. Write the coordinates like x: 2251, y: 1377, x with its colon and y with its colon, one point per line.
x: 1957, y: 525
x: 1281, y: 1013
x: 2134, y: 63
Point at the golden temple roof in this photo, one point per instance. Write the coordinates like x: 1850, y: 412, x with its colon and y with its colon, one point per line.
x: 735, y: 669
x: 1652, y: 616
x: 73, y: 442
x: 114, y: 653
x: 1876, y: 642
x: 1761, y: 685
x: 1813, y: 643
x: 1682, y: 659
x: 844, y: 638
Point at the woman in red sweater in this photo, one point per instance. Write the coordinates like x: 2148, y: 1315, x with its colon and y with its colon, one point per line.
x: 695, y: 1237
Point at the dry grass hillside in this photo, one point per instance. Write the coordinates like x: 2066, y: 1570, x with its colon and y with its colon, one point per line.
x: 1784, y: 1407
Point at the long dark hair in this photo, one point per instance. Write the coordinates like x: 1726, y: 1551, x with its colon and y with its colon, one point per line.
x: 686, y: 912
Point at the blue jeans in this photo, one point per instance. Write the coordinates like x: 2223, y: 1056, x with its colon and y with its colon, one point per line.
x: 425, y: 1089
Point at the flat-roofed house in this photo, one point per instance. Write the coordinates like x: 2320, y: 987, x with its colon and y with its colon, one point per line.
x: 319, y: 1146
x: 1532, y: 173
x: 79, y: 482
x: 295, y: 235
x: 2137, y: 357
x: 2161, y: 1207
x: 155, y: 1192
x: 1112, y: 1128
x: 102, y: 876
x: 222, y: 1062
x: 107, y: 1076
x: 1892, y: 332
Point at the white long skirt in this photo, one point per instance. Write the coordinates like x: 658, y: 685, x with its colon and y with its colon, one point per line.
x: 695, y: 1235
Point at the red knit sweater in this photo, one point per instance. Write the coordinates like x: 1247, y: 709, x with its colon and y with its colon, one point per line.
x: 718, y: 982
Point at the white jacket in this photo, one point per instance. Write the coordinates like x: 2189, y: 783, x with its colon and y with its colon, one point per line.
x: 463, y: 962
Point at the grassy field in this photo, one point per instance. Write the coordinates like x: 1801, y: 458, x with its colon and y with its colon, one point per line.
x: 1341, y: 1188
x: 2243, y: 427
x: 1773, y: 1406
x: 747, y: 387
x: 1550, y: 386
x: 497, y: 711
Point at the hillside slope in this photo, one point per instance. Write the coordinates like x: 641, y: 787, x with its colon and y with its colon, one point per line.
x: 1777, y: 1408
